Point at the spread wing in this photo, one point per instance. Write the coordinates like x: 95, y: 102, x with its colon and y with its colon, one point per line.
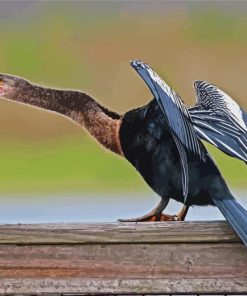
x: 176, y: 115
x: 219, y: 120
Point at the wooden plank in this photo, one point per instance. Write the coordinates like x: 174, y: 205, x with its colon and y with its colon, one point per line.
x: 122, y: 258
x: 124, y: 268
x: 128, y: 233
x: 127, y: 261
x: 119, y: 286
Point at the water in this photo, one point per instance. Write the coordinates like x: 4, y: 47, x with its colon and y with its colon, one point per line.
x: 95, y: 208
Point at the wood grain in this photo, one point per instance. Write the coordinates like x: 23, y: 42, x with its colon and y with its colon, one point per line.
x: 127, y: 261
x: 99, y: 233
x: 114, y: 258
x: 123, y: 286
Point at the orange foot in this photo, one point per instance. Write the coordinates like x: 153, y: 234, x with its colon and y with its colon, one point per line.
x: 153, y: 218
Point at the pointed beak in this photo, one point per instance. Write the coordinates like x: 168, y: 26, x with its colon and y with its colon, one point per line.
x: 7, y: 83
x: 1, y: 86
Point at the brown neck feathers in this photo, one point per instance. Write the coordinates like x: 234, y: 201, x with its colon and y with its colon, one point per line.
x: 102, y: 124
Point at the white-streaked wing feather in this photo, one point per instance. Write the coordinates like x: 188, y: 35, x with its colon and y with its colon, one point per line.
x: 214, y: 100
x: 217, y: 110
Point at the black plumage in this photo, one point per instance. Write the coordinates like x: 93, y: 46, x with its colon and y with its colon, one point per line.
x: 148, y: 144
x: 204, y: 180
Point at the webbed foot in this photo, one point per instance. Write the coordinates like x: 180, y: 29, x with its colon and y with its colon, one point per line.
x: 153, y: 218
x: 157, y: 216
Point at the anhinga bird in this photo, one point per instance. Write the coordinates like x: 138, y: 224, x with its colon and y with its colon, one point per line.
x: 161, y: 139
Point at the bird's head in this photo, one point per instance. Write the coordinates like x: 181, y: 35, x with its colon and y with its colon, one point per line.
x: 9, y: 85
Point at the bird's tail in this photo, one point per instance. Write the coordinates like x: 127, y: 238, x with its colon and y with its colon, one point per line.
x: 235, y: 214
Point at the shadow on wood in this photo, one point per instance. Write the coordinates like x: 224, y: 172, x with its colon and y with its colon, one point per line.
x: 108, y: 258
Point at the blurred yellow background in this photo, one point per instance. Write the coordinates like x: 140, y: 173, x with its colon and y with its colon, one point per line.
x: 88, y: 46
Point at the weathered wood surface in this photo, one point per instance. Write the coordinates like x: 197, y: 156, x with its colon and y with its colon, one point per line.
x: 125, y: 233
x: 121, y: 258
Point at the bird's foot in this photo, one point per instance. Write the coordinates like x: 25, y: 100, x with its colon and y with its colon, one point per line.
x: 153, y: 218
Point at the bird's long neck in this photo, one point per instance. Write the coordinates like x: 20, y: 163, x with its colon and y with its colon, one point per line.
x: 102, y: 124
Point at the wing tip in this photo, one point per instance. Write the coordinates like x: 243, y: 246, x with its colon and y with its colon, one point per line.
x: 137, y: 64
x: 200, y: 83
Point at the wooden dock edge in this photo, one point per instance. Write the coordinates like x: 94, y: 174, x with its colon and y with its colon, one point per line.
x: 122, y: 258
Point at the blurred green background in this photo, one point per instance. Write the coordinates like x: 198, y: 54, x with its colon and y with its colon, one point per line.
x: 88, y: 46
